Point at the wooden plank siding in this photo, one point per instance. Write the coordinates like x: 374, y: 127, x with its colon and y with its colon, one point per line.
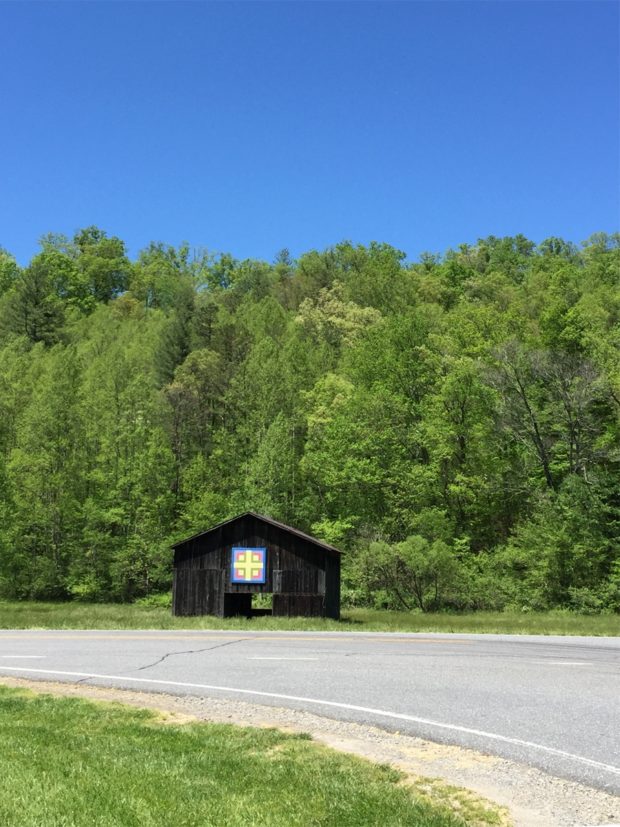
x: 303, y: 574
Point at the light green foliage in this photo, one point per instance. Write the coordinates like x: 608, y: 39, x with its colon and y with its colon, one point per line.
x: 43, y: 466
x: 9, y: 271
x: 452, y: 424
x: 272, y: 479
x: 563, y: 554
x: 160, y: 274
x: 333, y: 320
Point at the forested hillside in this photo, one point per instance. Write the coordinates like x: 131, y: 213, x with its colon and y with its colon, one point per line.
x: 452, y: 424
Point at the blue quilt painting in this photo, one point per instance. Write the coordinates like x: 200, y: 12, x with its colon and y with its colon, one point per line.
x: 248, y: 565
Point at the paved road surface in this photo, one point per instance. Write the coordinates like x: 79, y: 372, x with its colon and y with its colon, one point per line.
x: 551, y: 702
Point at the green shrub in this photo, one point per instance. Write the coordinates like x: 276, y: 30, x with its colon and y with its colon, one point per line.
x: 155, y: 601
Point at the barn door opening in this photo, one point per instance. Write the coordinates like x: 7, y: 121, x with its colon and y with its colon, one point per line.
x: 237, y: 605
x: 247, y: 605
x: 262, y: 604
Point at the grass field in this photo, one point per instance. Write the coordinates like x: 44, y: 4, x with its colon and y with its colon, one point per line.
x: 34, y: 615
x: 70, y: 762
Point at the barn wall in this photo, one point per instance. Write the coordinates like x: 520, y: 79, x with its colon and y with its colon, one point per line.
x: 296, y: 568
x: 197, y: 592
x: 332, y: 586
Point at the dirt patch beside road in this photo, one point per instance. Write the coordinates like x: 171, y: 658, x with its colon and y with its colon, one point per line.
x: 533, y: 798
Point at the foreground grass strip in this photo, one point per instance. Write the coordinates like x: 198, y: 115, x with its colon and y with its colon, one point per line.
x: 35, y: 615
x: 65, y: 761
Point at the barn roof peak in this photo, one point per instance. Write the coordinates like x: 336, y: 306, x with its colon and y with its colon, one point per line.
x: 264, y: 519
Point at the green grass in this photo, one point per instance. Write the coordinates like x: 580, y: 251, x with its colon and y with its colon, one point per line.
x: 509, y: 623
x: 34, y: 615
x: 66, y: 761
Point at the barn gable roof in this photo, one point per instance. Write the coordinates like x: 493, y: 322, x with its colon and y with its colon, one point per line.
x: 264, y: 519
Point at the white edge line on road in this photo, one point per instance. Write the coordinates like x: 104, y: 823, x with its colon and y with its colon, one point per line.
x: 492, y: 736
x: 24, y: 657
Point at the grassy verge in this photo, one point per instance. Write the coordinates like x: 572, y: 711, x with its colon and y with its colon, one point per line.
x: 508, y: 623
x: 65, y: 761
x: 34, y: 615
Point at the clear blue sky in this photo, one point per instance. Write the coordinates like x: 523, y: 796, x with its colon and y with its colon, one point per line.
x: 249, y: 127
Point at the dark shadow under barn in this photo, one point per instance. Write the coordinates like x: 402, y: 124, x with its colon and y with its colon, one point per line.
x: 219, y: 570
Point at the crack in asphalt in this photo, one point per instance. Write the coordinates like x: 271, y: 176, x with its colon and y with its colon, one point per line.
x: 169, y: 655
x: 185, y: 652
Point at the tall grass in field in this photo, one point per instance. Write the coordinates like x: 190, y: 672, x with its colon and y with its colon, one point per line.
x: 34, y: 615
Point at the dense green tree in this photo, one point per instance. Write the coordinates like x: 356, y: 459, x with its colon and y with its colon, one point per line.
x: 32, y: 307
x: 44, y: 467
x: 102, y: 263
x: 411, y: 574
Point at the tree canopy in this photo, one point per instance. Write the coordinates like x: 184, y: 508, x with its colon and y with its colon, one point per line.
x: 452, y: 424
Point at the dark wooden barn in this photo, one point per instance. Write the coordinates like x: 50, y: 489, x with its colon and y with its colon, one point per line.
x: 217, y: 571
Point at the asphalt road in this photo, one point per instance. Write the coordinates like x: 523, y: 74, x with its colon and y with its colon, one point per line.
x: 551, y: 702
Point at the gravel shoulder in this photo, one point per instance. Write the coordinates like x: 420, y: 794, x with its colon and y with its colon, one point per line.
x: 533, y: 798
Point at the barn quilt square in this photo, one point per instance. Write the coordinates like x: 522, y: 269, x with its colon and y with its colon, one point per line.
x: 248, y: 565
